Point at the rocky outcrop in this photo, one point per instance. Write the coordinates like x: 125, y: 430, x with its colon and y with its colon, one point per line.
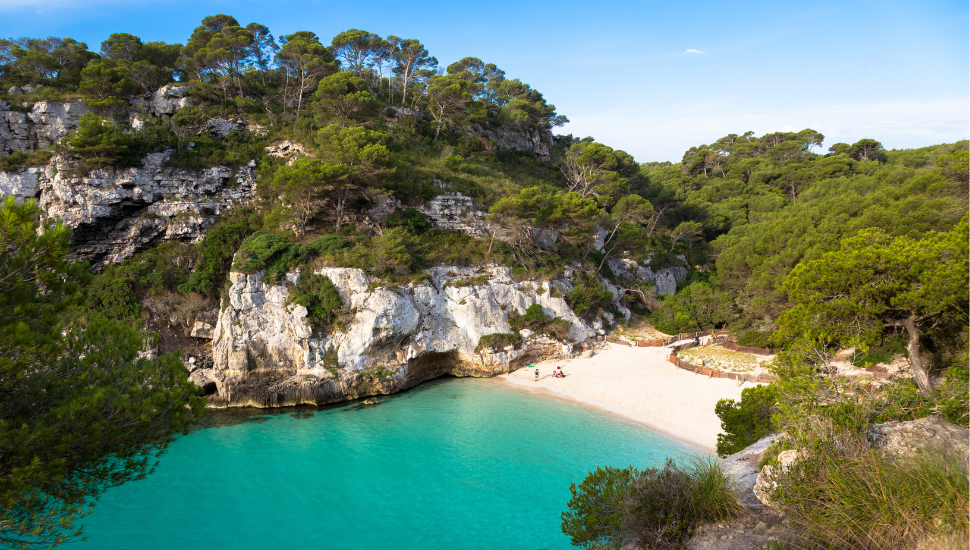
x: 455, y: 212
x: 933, y: 433
x: 767, y: 482
x: 114, y: 213
x: 524, y: 140
x: 665, y: 278
x: 221, y: 127
x: 44, y: 124
x: 168, y: 100
x: 743, y: 467
x: 265, y: 354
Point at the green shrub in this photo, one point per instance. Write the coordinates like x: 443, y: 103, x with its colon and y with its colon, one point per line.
x: 757, y: 339
x: 700, y: 305
x: 266, y: 251
x: 652, y: 508
x: 412, y: 220
x: 397, y: 251
x: 319, y: 296
x: 114, y: 298
x: 559, y: 329
x: 498, y: 341
x: 954, y: 396
x: 884, y: 353
x: 746, y: 421
x: 588, y: 297
x: 214, y: 257
x: 155, y: 271
x: 596, y: 509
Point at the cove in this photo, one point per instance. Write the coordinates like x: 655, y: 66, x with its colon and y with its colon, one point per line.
x: 453, y: 463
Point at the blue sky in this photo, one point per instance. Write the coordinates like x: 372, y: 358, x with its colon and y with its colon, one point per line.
x: 652, y: 78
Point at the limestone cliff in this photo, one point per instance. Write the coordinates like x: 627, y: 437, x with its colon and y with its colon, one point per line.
x: 265, y: 354
x: 41, y: 125
x: 114, y: 213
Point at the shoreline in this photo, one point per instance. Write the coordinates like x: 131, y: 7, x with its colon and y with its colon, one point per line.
x: 640, y: 385
x: 643, y: 419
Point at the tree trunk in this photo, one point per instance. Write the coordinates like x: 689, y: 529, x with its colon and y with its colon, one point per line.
x: 915, y: 360
x: 340, y: 212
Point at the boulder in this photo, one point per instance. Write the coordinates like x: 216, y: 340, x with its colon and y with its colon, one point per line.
x: 168, y: 100
x: 201, y: 329
x: 766, y: 483
x: 899, y: 439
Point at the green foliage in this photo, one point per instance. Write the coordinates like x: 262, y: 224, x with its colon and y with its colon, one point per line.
x: 588, y: 298
x: 214, y: 257
x: 757, y: 339
x: 885, y: 352
x: 540, y: 323
x: 98, y: 143
x: 595, y: 515
x: 498, y: 341
x: 415, y: 222
x: 954, y: 397
x: 396, y: 252
x: 877, y: 283
x: 746, y: 421
x: 266, y: 251
x: 700, y: 305
x: 319, y: 296
x: 90, y: 414
x: 651, y: 508
x: 114, y: 298
x: 343, y: 98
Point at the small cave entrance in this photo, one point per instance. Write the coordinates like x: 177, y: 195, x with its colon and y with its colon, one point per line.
x: 432, y: 365
x: 209, y: 389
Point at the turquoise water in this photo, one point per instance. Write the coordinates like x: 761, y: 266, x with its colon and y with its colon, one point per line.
x: 452, y: 464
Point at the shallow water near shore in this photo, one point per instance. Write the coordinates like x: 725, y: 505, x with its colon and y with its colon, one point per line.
x: 453, y: 463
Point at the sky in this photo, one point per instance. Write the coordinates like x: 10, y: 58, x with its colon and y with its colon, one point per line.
x: 651, y: 78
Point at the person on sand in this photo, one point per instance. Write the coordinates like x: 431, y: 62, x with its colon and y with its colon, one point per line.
x: 537, y: 374
x: 559, y: 373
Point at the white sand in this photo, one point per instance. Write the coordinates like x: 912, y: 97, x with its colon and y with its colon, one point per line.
x: 639, y: 384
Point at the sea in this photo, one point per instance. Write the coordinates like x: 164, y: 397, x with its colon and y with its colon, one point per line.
x: 455, y: 463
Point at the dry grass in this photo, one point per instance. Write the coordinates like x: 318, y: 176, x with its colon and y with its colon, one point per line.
x: 719, y: 358
x: 865, y: 501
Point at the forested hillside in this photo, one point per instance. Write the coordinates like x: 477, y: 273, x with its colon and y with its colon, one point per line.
x: 380, y: 118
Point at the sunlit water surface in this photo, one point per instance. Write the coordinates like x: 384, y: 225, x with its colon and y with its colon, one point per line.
x: 451, y: 464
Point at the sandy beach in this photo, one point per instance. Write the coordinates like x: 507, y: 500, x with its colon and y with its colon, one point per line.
x: 639, y: 384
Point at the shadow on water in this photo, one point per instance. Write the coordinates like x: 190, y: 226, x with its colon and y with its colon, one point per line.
x: 222, y: 418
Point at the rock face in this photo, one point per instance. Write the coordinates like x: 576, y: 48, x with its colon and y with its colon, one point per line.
x: 265, y: 354
x: 743, y: 466
x: 44, y: 124
x: 221, y: 127
x: 517, y: 138
x: 456, y: 212
x: 665, y: 279
x: 168, y: 100
x: 933, y: 433
x: 114, y: 213
x: 766, y: 483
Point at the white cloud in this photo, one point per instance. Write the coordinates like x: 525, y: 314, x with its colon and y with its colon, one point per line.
x: 650, y: 133
x: 693, y: 51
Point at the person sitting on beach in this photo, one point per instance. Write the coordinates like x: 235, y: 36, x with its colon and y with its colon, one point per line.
x: 558, y: 373
x: 537, y: 374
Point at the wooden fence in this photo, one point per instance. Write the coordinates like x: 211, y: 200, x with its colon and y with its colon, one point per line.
x: 714, y: 373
